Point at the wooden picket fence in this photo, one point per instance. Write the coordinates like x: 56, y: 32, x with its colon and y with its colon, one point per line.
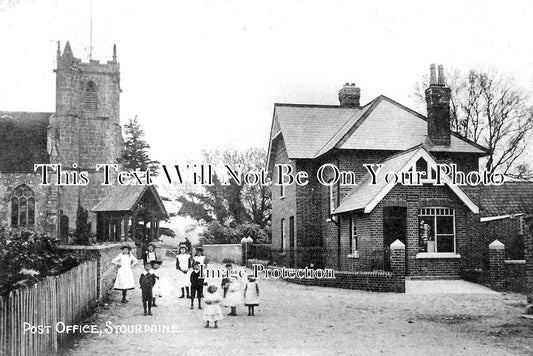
x: 59, y: 299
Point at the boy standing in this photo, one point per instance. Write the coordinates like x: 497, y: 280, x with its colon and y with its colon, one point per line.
x: 197, y: 285
x: 147, y: 281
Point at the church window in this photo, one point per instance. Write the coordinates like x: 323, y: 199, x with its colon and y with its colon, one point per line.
x: 89, y: 97
x: 22, y: 206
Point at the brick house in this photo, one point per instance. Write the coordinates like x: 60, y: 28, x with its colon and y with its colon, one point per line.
x: 83, y: 131
x: 350, y: 227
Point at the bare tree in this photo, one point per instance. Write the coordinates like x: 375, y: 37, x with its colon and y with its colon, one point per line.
x: 490, y: 109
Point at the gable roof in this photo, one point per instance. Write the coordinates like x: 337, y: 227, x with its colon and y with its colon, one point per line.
x: 307, y: 128
x: 509, y: 198
x: 366, y: 196
x: 125, y: 198
x: 23, y: 140
x: 310, y: 131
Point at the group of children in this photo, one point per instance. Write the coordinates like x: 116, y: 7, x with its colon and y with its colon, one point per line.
x: 190, y: 281
x: 148, y: 280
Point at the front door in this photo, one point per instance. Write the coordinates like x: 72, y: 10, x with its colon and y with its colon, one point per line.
x: 394, y: 228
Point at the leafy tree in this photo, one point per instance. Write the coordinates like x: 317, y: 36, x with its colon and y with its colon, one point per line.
x: 492, y: 110
x: 227, y: 209
x: 136, y: 149
x: 83, y: 229
x: 232, y: 204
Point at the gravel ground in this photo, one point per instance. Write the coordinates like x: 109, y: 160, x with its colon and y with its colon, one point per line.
x: 301, y: 320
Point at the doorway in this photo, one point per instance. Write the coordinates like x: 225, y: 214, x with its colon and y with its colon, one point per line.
x: 394, y: 228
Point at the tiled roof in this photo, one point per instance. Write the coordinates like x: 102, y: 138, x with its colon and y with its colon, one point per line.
x: 307, y: 128
x: 366, y: 196
x: 125, y: 198
x: 310, y: 131
x: 23, y: 138
x: 389, y: 126
x: 508, y: 198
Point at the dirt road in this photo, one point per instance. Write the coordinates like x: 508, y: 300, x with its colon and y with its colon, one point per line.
x: 299, y: 320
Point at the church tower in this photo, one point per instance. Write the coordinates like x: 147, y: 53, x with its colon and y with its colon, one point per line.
x: 85, y: 129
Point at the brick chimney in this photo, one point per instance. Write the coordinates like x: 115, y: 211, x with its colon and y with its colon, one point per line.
x: 349, y: 96
x: 438, y: 106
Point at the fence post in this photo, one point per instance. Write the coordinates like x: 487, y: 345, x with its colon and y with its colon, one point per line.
x: 397, y: 261
x: 497, y: 265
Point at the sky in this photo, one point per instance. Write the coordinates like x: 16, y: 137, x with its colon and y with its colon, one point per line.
x: 206, y: 74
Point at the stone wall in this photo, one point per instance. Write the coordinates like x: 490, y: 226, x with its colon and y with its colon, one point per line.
x: 103, y: 254
x: 217, y: 253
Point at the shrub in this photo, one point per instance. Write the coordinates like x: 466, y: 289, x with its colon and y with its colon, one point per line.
x: 26, y: 257
x: 260, y: 252
x: 217, y: 233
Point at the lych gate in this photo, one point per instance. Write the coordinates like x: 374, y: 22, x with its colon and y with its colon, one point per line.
x: 130, y: 212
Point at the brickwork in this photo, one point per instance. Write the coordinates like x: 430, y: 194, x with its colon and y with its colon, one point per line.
x: 529, y: 261
x: 377, y: 281
x: 497, y: 266
x: 397, y: 257
x: 282, y: 207
x: 370, y: 232
x: 515, y: 276
x: 508, y: 232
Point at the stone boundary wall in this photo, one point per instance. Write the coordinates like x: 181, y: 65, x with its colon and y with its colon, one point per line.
x: 102, y: 254
x: 217, y: 253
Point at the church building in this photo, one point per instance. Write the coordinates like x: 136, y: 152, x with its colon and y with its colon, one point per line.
x: 83, y: 131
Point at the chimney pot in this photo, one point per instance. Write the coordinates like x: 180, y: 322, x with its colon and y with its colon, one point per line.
x: 432, y: 75
x: 441, y: 79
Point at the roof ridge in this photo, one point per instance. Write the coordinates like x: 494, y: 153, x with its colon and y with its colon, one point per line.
x: 313, y: 105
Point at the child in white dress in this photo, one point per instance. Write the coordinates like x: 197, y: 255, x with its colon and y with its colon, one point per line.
x: 212, y: 311
x: 157, y: 287
x: 233, y: 295
x: 124, y: 281
x: 251, y: 295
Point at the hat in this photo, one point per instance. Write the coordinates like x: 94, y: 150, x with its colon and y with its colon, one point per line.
x: 154, y: 262
x: 151, y: 244
x: 125, y: 246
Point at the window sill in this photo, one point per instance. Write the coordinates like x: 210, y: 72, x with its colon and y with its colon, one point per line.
x: 422, y: 255
x: 353, y: 255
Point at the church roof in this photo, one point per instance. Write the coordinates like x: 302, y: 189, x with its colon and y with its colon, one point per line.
x: 23, y: 138
x: 126, y: 199
x: 310, y: 131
